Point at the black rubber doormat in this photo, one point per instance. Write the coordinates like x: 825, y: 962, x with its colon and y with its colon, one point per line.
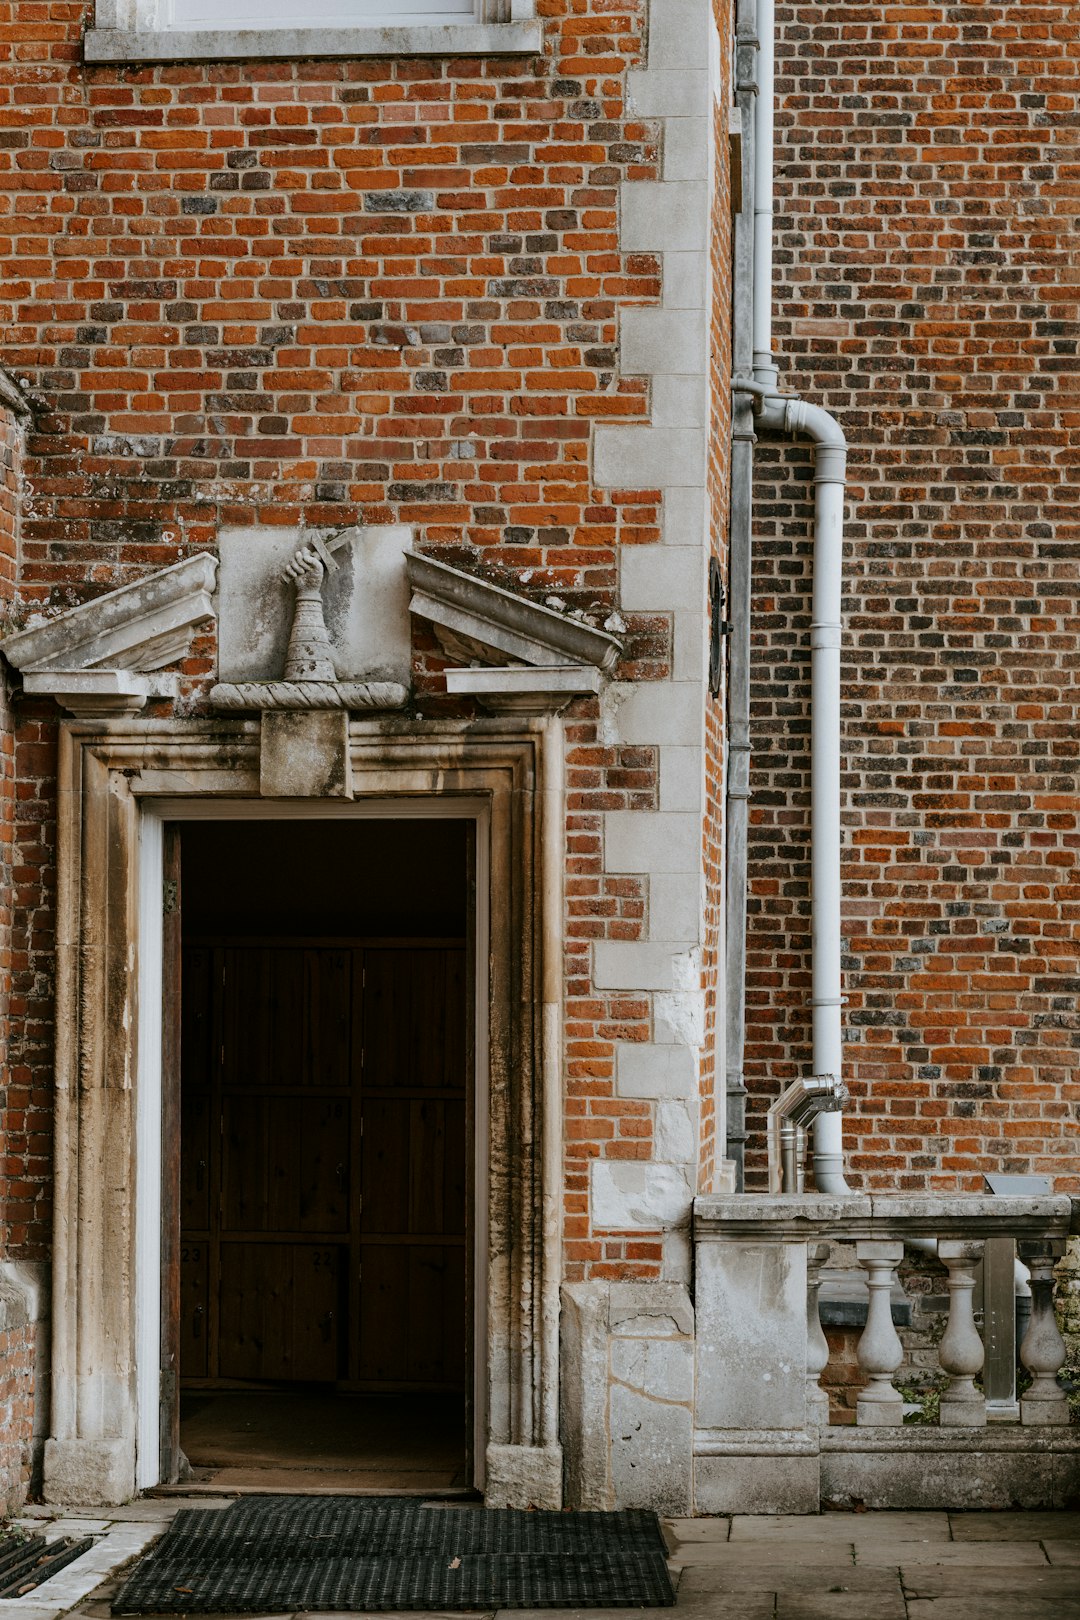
x: 283, y: 1554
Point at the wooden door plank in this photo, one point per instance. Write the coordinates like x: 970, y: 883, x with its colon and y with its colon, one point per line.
x: 280, y: 1312
x: 194, y: 1161
x: 353, y: 1279
x: 218, y: 972
x: 327, y: 1017
x: 413, y: 1229
x: 194, y: 1316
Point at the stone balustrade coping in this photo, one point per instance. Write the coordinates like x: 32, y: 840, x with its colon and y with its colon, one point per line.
x: 877, y: 1217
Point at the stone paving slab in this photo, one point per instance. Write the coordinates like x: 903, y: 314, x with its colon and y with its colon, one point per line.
x: 772, y: 1575
x: 531, y: 1614
x: 989, y: 1608
x: 953, y: 1554
x: 715, y: 1529
x: 695, y: 1606
x: 840, y: 1527
x: 750, y: 1554
x: 1048, y: 1584
x: 1063, y: 1552
x: 1014, y: 1526
x: 165, y: 1508
x: 834, y: 1605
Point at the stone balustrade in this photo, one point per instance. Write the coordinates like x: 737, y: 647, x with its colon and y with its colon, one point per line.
x: 762, y: 1352
x: 878, y: 1227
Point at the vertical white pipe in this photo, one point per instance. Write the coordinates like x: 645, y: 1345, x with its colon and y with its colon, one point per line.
x: 825, y: 634
x: 764, y: 369
x: 830, y: 458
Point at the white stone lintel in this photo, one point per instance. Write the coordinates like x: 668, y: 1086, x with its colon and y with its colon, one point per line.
x: 292, y: 44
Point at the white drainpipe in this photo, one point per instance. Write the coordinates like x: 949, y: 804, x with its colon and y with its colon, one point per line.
x: 796, y: 416
x: 765, y: 371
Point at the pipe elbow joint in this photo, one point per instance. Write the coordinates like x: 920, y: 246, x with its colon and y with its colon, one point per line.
x: 826, y: 435
x: 814, y: 422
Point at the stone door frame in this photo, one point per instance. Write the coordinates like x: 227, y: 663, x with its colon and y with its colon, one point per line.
x: 119, y: 781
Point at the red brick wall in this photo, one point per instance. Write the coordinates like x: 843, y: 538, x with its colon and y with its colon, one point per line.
x: 927, y: 216
x: 335, y: 292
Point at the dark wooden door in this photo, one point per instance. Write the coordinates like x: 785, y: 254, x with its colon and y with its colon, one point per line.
x: 324, y: 1165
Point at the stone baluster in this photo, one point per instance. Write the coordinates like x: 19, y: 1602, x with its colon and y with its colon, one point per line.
x: 1043, y: 1349
x: 817, y: 1346
x: 880, y: 1351
x: 961, y: 1349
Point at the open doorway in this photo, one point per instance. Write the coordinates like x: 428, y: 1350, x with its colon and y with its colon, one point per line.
x: 324, y: 1322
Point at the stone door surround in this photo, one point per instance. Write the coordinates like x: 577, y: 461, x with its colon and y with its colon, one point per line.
x: 111, y: 773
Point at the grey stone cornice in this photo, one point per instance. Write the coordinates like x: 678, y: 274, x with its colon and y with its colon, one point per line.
x: 524, y: 688
x: 139, y: 627
x: 476, y: 619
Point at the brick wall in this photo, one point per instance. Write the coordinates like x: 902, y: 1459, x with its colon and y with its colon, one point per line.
x: 336, y: 292
x: 925, y: 230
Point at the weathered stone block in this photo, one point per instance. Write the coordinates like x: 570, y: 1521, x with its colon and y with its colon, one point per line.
x: 651, y: 1448
x: 627, y: 1395
x: 751, y: 1315
x: 761, y: 1484
x: 365, y: 603
x: 629, y: 1194
x: 304, y: 754
x: 646, y: 1070
x: 916, y: 1476
x: 524, y: 1477
x: 583, y: 1395
x: 84, y: 1473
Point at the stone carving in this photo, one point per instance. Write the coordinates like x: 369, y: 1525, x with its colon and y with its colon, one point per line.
x: 309, y: 679
x: 239, y: 695
x: 106, y: 656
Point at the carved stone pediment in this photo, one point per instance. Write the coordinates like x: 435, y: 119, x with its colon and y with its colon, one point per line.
x: 554, y: 656
x: 106, y: 656
x: 287, y: 619
x: 492, y: 623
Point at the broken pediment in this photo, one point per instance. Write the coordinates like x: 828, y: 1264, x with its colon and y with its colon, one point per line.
x: 107, y: 656
x: 554, y: 656
x: 493, y: 623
